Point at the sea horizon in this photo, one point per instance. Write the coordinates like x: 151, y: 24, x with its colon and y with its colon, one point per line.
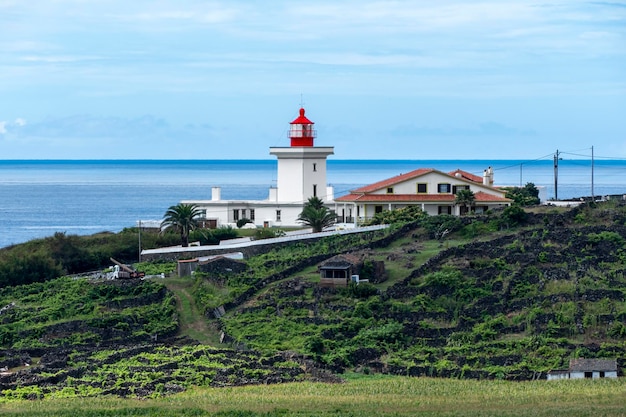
x: 39, y: 197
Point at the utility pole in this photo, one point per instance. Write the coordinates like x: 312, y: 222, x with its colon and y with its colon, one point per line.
x: 593, y: 197
x: 139, y: 222
x: 556, y: 175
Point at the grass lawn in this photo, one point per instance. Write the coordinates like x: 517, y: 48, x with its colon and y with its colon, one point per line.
x: 359, y: 396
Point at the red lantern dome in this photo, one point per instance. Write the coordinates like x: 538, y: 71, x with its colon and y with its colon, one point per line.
x: 301, y: 132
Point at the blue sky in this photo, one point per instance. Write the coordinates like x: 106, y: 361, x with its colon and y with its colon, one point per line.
x: 108, y: 79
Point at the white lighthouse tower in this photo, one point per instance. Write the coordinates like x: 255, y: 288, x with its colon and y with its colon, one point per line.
x: 302, y: 166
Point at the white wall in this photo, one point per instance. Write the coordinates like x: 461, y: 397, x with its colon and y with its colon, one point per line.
x: 290, y: 181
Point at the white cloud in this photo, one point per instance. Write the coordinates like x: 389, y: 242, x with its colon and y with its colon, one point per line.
x: 20, y: 122
x: 3, y: 128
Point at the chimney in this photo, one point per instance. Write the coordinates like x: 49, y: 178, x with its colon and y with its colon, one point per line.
x: 488, y: 177
x: 216, y: 194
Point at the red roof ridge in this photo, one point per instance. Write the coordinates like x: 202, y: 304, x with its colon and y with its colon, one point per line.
x: 466, y: 175
x: 393, y: 180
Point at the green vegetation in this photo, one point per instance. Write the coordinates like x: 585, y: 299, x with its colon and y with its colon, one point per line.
x: 527, y: 195
x: 359, y: 396
x: 503, y: 296
x: 316, y: 215
x: 75, y: 312
x: 48, y: 258
x: 404, y: 215
x: 182, y: 218
x: 465, y: 199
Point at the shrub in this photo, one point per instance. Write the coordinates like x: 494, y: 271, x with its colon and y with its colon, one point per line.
x: 513, y: 216
x: 242, y: 222
x: 267, y: 233
x: 404, y: 215
x: 437, y: 225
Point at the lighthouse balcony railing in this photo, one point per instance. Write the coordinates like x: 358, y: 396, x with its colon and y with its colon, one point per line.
x: 302, y: 133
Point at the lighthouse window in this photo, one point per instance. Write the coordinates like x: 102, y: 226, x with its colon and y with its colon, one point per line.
x: 314, y: 167
x: 421, y: 188
x: 314, y: 190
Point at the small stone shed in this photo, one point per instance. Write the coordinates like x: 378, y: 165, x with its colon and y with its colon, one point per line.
x: 586, y: 368
x: 218, y: 264
x: 338, y: 270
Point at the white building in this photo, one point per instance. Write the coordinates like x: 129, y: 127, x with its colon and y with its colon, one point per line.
x: 431, y: 190
x: 301, y: 175
x: 586, y: 368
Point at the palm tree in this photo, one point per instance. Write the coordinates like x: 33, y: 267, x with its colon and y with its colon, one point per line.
x: 465, y: 198
x: 182, y: 218
x: 316, y: 215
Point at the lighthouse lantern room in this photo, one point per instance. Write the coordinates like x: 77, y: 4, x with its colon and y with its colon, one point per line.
x: 301, y: 166
x: 302, y: 132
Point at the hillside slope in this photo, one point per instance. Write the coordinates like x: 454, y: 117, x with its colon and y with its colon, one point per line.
x: 505, y: 305
x: 494, y: 298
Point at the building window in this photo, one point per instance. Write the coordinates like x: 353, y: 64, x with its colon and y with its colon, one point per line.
x: 444, y: 210
x: 314, y: 190
x: 457, y: 188
x: 421, y: 188
x: 243, y: 213
x: 389, y: 190
x: 277, y: 215
x: 314, y: 167
x: 378, y: 209
x: 252, y: 214
x: 443, y: 188
x: 236, y: 214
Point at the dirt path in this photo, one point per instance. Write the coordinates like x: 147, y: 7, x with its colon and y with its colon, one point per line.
x: 192, y: 322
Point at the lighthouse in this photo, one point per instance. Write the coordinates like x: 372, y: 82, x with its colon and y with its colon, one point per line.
x: 302, y: 165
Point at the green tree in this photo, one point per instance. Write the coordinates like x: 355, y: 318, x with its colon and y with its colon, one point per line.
x: 465, y: 198
x: 316, y: 215
x: 524, y: 196
x: 181, y: 217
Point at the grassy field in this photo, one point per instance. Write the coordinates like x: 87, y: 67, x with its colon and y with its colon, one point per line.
x: 358, y: 396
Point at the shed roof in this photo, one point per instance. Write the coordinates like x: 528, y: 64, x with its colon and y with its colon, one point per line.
x: 341, y: 262
x: 582, y: 365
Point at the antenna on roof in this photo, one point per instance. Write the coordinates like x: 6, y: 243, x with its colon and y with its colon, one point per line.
x: 301, y: 100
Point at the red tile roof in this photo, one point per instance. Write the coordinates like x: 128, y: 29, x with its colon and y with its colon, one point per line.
x: 395, y: 197
x: 467, y: 175
x: 481, y: 197
x: 362, y: 194
x: 393, y: 180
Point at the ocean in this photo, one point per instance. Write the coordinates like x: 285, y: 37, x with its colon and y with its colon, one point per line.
x: 39, y: 198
